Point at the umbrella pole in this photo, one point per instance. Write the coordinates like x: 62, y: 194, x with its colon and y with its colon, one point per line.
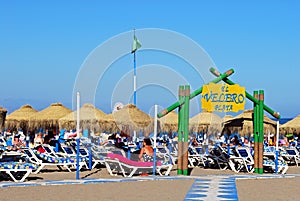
x: 154, y: 136
x: 57, y: 139
x: 77, y: 137
x: 277, y: 151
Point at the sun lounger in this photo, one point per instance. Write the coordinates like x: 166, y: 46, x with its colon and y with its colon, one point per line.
x: 116, y: 163
x: 44, y: 159
x: 99, y: 153
x: 2, y: 141
x: 243, y: 160
x: 269, y: 163
x: 69, y: 151
x: 17, y: 171
x: 196, y: 156
x: 291, y: 156
x: 84, y: 152
x: 219, y: 156
x: 163, y: 153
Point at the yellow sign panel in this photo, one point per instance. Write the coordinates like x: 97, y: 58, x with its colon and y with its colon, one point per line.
x: 223, y: 97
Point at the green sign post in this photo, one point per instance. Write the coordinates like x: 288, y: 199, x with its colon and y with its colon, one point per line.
x: 182, y: 104
x: 184, y: 96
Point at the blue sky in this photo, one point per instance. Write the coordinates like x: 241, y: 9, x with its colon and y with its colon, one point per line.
x: 44, y: 44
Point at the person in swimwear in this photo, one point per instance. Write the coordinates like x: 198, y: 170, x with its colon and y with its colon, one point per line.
x: 146, y: 153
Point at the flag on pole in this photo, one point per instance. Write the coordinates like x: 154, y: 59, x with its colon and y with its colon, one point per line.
x: 136, y: 44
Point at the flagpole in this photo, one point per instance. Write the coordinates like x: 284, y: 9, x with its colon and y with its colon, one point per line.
x: 134, y: 78
x: 135, y: 46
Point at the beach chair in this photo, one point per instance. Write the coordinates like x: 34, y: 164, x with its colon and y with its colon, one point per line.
x: 16, y: 171
x: 99, y: 153
x: 196, y: 156
x: 219, y: 156
x: 163, y: 153
x: 242, y: 160
x: 67, y: 150
x: 44, y: 159
x: 83, y: 150
x: 116, y: 163
x: 50, y: 150
x: 269, y: 163
x: 174, y: 151
x: 2, y: 141
x: 291, y: 156
x: 83, y: 154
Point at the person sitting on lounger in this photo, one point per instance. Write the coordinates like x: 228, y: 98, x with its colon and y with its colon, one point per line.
x: 17, y: 143
x: 146, y: 153
x: 38, y: 140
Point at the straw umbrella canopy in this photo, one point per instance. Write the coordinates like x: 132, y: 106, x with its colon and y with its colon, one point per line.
x: 243, y: 124
x: 90, y: 118
x: 206, y: 122
x: 3, y: 112
x: 169, y: 122
x: 108, y: 124
x: 20, y: 118
x: 292, y: 126
x: 226, y: 118
x: 48, y: 118
x: 129, y: 119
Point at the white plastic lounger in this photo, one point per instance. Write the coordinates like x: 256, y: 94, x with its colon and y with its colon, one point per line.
x: 116, y: 163
x: 18, y: 172
x: 43, y: 159
x: 243, y: 160
x: 269, y: 163
x: 291, y: 156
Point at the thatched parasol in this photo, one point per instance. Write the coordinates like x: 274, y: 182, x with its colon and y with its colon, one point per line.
x: 292, y: 126
x: 90, y: 118
x: 206, y: 122
x: 48, y: 118
x: 243, y: 124
x: 20, y: 118
x: 108, y: 124
x: 226, y: 118
x: 3, y: 112
x: 130, y: 118
x: 169, y: 122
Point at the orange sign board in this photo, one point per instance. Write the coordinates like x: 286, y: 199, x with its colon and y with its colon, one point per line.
x: 223, y: 97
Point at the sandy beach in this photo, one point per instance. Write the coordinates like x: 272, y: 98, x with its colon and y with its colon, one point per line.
x: 143, y: 190
x: 268, y: 189
x: 248, y: 189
